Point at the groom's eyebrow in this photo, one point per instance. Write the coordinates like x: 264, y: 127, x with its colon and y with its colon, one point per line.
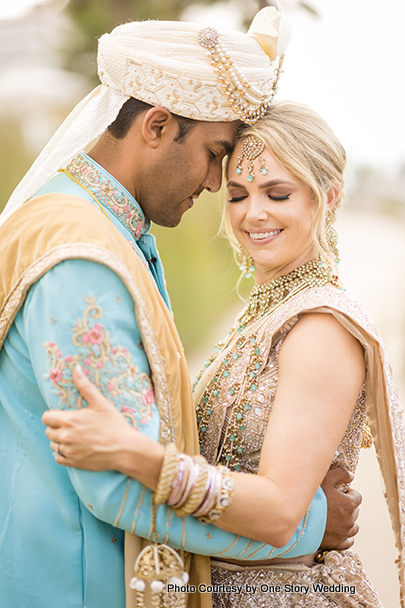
x: 226, y: 145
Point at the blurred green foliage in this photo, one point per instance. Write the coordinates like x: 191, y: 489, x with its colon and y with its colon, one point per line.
x: 14, y: 159
x: 17, y: 150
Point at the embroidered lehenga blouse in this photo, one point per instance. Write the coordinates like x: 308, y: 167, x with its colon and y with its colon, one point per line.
x: 234, y: 399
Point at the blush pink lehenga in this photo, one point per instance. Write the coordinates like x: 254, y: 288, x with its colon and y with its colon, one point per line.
x: 236, y: 394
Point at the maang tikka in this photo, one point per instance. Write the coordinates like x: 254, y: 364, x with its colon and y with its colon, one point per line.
x: 252, y: 147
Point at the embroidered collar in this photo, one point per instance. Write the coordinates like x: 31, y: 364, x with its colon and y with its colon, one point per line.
x: 109, y: 192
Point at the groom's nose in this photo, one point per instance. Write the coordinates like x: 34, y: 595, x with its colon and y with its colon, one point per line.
x: 213, y: 180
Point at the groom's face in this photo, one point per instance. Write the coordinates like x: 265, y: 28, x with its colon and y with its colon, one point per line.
x: 185, y: 169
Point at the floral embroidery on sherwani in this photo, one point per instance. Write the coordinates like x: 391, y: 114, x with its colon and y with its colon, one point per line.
x: 109, y: 367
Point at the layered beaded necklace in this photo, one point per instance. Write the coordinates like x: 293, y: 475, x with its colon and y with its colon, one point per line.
x: 264, y: 299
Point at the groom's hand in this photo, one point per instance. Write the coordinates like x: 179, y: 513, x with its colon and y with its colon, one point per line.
x: 343, y: 510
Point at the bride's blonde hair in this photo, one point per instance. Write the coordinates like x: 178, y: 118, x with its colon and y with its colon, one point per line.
x: 304, y: 144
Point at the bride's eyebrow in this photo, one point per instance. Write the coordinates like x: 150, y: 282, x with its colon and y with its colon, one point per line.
x: 276, y: 182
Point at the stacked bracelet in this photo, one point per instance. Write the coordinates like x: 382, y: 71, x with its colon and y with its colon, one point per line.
x: 191, y: 486
x: 168, y: 474
x: 209, y: 495
x: 223, y: 497
x: 198, y: 491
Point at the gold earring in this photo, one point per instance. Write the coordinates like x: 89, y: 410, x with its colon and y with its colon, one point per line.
x: 331, y: 235
x: 246, y: 264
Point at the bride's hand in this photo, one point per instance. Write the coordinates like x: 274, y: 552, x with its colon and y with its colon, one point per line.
x: 90, y: 438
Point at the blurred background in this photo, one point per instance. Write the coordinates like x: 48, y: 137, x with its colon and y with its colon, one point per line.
x: 345, y: 60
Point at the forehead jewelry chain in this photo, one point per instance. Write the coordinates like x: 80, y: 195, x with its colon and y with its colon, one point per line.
x: 252, y: 147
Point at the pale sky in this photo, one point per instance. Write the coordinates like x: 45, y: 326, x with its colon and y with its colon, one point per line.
x: 348, y: 66
x: 13, y: 9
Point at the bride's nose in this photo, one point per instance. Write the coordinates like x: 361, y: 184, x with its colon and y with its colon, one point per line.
x: 257, y: 209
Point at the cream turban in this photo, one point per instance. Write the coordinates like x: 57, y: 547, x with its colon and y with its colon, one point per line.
x: 173, y: 65
x: 193, y: 71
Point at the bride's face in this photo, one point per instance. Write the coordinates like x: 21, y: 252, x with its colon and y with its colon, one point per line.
x: 271, y: 216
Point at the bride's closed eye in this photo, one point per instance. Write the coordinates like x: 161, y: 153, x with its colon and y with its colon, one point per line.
x: 236, y: 199
x: 283, y: 197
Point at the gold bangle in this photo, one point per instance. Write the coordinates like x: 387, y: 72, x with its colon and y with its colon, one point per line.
x: 167, y: 474
x: 200, y: 487
x: 198, y: 491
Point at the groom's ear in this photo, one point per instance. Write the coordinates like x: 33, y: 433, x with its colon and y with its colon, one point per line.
x: 158, y: 125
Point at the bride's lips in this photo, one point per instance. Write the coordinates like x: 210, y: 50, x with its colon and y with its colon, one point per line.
x: 261, y: 237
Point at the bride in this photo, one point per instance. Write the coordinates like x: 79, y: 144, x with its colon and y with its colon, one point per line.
x: 298, y: 386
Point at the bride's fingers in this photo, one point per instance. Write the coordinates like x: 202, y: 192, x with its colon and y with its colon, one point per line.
x: 58, y: 452
x: 55, y: 418
x: 54, y: 434
x: 88, y: 390
x: 61, y: 418
x: 56, y: 448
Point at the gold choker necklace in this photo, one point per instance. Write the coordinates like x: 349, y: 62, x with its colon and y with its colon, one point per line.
x: 263, y: 298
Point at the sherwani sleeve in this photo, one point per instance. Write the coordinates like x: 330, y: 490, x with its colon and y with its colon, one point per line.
x: 81, y: 312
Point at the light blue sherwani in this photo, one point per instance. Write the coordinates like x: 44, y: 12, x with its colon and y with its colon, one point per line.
x: 62, y: 530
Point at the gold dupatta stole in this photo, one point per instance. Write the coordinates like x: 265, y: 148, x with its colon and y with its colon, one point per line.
x: 44, y: 232
x: 384, y: 412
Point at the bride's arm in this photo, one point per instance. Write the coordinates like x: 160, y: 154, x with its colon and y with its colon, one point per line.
x: 321, y: 370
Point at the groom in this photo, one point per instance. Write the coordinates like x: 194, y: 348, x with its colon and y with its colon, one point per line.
x: 82, y: 282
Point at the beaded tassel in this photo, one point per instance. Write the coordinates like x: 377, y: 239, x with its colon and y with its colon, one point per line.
x: 159, y: 565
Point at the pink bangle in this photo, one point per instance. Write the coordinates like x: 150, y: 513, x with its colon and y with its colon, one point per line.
x: 223, y: 499
x: 188, y: 485
x: 191, y: 483
x: 211, y: 496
